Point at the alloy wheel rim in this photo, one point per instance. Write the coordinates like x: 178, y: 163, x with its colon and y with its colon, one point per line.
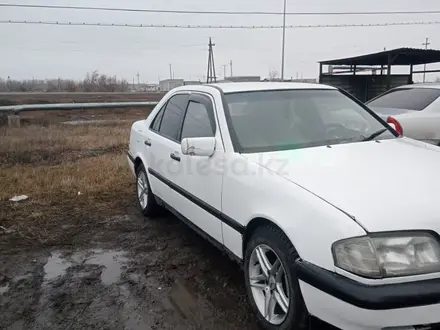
x: 142, y: 190
x: 269, y: 284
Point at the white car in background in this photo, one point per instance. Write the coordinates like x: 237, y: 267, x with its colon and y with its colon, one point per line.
x: 330, y: 212
x: 414, y: 110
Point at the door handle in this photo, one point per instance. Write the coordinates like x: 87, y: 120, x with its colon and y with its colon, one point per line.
x: 175, y: 156
x: 147, y: 142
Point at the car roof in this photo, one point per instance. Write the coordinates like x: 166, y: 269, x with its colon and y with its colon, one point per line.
x: 421, y: 85
x: 237, y: 87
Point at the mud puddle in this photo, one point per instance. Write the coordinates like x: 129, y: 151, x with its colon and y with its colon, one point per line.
x: 135, y: 274
x: 4, y: 289
x: 127, y: 273
x: 110, y: 264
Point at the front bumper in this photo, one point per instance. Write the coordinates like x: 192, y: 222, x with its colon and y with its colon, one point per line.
x: 348, y: 304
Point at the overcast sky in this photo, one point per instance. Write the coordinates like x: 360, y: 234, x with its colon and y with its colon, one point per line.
x: 69, y: 52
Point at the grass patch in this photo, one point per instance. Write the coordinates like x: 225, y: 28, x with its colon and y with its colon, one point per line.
x: 24, y: 145
x: 74, y: 176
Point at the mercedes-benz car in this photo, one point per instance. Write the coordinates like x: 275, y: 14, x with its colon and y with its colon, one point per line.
x: 330, y: 212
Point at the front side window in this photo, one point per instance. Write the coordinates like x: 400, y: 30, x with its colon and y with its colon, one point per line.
x: 406, y: 98
x: 197, y: 122
x: 293, y: 119
x: 172, y: 116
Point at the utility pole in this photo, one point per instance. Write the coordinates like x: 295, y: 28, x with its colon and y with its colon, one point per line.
x: 224, y: 70
x: 211, y: 77
x: 138, y: 75
x: 426, y: 44
x: 284, y: 41
x: 230, y: 65
x: 171, y: 71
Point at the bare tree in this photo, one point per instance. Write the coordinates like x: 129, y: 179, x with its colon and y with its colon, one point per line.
x: 273, y: 75
x: 93, y: 82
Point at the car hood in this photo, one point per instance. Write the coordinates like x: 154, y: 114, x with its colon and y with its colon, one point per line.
x: 387, y: 185
x: 386, y: 112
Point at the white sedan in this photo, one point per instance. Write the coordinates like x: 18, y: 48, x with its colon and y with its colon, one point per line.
x: 330, y: 212
x: 413, y: 109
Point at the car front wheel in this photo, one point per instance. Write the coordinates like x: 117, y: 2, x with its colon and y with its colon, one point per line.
x: 271, y: 282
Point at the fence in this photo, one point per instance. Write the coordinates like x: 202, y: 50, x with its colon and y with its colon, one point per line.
x: 13, y: 111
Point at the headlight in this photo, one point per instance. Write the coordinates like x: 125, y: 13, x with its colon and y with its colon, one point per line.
x: 388, y: 254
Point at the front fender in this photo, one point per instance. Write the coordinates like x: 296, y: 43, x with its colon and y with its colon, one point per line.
x: 311, y: 223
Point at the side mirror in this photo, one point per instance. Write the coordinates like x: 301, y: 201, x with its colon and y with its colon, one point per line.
x: 203, y: 146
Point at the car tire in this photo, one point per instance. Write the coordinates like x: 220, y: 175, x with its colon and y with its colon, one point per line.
x: 145, y: 197
x: 274, y: 244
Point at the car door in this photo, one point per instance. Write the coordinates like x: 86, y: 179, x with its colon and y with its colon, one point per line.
x: 200, y: 180
x: 161, y: 144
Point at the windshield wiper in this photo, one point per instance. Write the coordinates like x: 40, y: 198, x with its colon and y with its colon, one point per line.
x: 375, y: 134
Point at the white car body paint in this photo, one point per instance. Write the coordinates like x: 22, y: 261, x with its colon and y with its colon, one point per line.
x: 316, y: 195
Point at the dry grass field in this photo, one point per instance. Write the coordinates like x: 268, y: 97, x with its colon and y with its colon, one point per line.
x: 72, y: 175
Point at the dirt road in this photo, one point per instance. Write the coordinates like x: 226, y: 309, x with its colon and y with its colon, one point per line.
x: 133, y: 274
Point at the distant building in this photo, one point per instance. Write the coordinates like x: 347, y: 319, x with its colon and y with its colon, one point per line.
x: 306, y: 80
x: 192, y: 82
x: 169, y: 84
x: 303, y: 80
x: 241, y: 79
x: 143, y: 87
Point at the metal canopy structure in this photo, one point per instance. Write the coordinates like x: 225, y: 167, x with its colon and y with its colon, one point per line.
x: 399, y: 56
x: 349, y: 73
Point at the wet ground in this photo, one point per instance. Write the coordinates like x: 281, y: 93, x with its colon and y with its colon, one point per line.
x: 133, y: 274
x: 128, y: 273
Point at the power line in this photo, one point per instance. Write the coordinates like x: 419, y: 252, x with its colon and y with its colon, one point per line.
x: 236, y: 27
x: 165, y: 11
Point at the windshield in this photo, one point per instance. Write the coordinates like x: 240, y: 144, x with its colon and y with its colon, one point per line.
x: 292, y: 119
x: 408, y: 98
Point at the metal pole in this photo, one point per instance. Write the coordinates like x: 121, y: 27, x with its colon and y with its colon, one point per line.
x: 389, y: 72
x: 230, y: 63
x: 213, y: 64
x: 320, y: 73
x: 426, y: 44
x: 284, y: 41
x: 171, y: 72
x: 208, y: 75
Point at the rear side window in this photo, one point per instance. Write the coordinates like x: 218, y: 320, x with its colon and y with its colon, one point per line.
x: 197, y: 122
x: 156, y: 122
x: 409, y: 99
x: 172, y: 116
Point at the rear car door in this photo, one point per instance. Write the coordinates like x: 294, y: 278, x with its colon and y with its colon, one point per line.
x: 200, y: 180
x: 163, y: 161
